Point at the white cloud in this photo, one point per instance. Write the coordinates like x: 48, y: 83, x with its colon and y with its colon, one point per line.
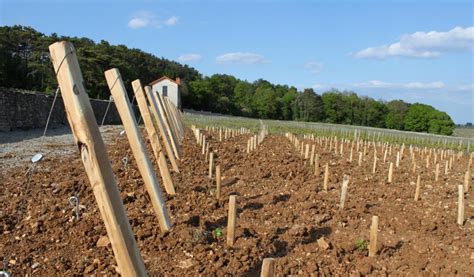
x: 189, y: 58
x: 144, y: 19
x: 314, y: 67
x: 469, y: 87
x: 424, y: 44
x: 171, y: 21
x: 410, y: 85
x: 240, y: 58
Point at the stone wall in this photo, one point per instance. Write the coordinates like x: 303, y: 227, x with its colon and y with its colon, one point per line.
x: 25, y: 110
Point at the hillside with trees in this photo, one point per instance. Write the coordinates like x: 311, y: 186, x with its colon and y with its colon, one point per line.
x: 25, y: 64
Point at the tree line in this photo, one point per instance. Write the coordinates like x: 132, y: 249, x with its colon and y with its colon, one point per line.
x: 25, y: 64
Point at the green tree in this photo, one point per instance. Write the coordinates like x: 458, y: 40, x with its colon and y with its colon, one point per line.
x: 397, y: 110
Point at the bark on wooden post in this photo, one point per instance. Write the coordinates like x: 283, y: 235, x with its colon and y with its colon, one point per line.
x: 153, y: 137
x: 373, y: 236
x: 117, y: 88
x: 218, y: 182
x: 159, y: 121
x: 268, y: 268
x: 460, y: 204
x: 95, y: 159
x: 231, y: 220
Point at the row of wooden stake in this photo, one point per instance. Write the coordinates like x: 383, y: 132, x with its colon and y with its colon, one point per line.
x: 94, y: 154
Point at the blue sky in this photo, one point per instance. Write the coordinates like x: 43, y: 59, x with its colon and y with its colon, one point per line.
x: 418, y: 51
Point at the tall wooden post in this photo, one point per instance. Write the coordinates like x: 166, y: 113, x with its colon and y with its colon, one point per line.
x: 117, y: 88
x: 153, y: 137
x: 373, y: 236
x: 460, y: 204
x: 159, y: 121
x: 218, y: 182
x: 95, y: 159
x: 231, y: 220
x: 169, y: 131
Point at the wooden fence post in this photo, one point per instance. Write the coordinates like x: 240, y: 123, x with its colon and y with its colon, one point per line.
x: 231, y: 220
x: 153, y: 137
x: 95, y: 159
x: 117, y: 88
x: 373, y: 236
x: 159, y: 121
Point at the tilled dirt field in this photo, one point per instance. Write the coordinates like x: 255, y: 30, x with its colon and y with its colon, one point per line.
x: 282, y: 208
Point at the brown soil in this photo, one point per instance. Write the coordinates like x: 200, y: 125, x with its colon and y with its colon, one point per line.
x: 283, y: 211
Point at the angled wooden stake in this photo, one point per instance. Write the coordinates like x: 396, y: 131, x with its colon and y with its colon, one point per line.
x: 166, y: 124
x: 171, y: 118
x: 119, y: 93
x: 159, y: 121
x: 95, y: 159
x: 153, y: 137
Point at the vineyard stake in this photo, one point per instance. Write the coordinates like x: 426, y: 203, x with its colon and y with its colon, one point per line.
x: 437, y: 172
x: 153, y: 137
x: 211, y: 163
x: 316, y: 165
x: 117, y: 88
x: 268, y: 268
x: 231, y: 220
x: 95, y: 159
x: 171, y: 133
x: 460, y: 204
x: 159, y: 121
x: 417, y: 191
x: 218, y: 182
x: 373, y: 236
x: 467, y: 179
x: 345, y: 183
x: 326, y: 177
x: 390, y: 172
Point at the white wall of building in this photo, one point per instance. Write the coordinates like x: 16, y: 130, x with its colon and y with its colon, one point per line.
x: 173, y: 91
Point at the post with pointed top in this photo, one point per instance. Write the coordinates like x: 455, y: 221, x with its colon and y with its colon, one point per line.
x: 117, y: 88
x: 95, y: 159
